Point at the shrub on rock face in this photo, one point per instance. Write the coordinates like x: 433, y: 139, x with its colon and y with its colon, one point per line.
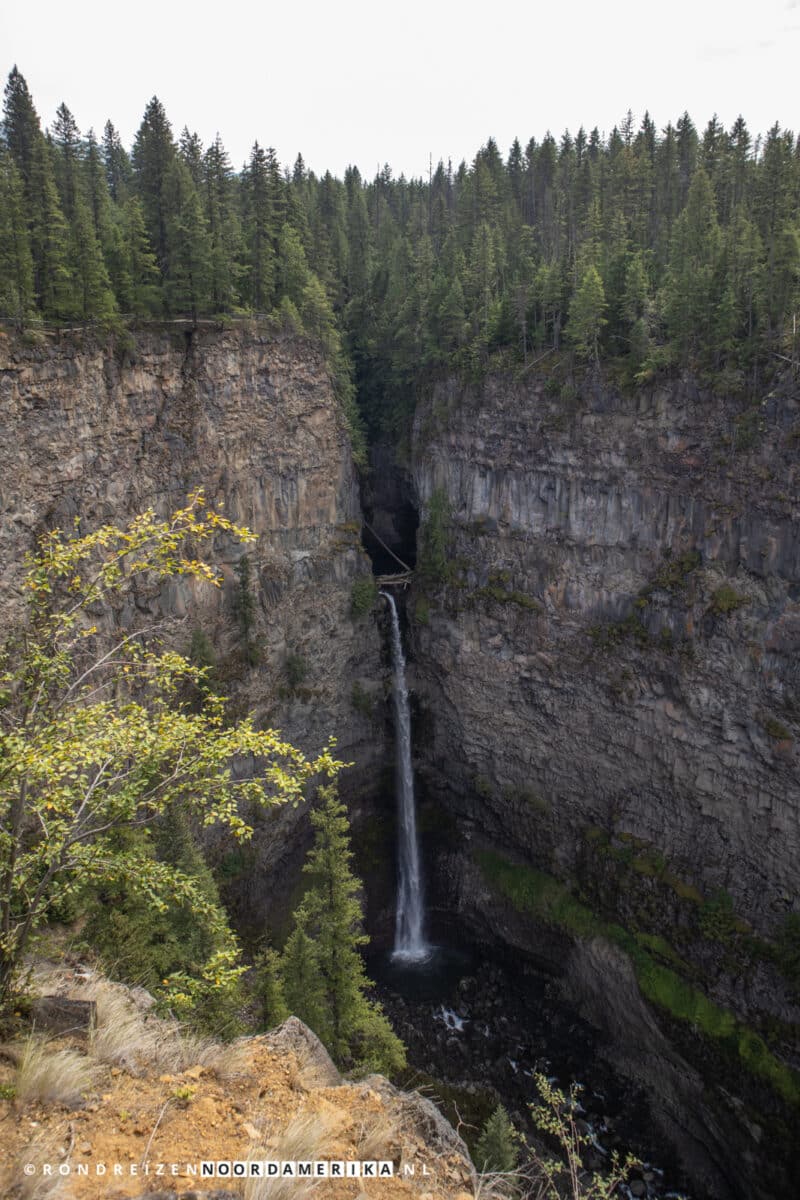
x: 433, y: 564
x: 363, y: 595
x: 726, y: 600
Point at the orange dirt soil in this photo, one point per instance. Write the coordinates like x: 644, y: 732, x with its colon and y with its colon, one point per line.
x: 236, y: 1109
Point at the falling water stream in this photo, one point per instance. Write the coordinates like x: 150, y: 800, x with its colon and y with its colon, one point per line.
x: 472, y: 1022
x: 409, y: 934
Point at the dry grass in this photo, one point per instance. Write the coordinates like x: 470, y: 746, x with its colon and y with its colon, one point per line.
x: 306, y: 1137
x: 511, y: 1185
x: 130, y: 1035
x: 381, y: 1138
x: 43, y: 1148
x: 52, y: 1076
x: 127, y: 1037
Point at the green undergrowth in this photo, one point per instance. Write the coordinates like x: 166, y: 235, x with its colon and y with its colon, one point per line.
x: 653, y: 960
x: 499, y: 588
x: 363, y: 596
x: 672, y: 576
x: 467, y: 1111
x: 726, y: 600
x: 501, y: 596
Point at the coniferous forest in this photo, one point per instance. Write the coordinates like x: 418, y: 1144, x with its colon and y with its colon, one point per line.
x: 617, y: 646
x: 652, y: 249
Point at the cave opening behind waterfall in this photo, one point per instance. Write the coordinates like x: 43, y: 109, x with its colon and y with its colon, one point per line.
x: 391, y: 515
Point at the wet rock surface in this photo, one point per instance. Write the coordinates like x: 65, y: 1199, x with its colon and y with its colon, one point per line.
x: 485, y: 1034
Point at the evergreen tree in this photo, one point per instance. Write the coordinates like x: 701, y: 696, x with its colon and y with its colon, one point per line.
x: 93, y: 298
x: 586, y: 319
x: 187, y: 265
x: 270, y: 990
x: 498, y: 1145
x: 190, y: 148
x: 21, y: 130
x: 260, y: 232
x: 222, y: 220
x: 117, y: 164
x: 637, y: 309
x: 692, y: 271
x: 96, y: 190
x: 324, y: 977
x: 52, y: 280
x: 67, y: 158
x: 153, y: 156
x: 301, y: 981
x: 132, y: 264
x: 16, y: 263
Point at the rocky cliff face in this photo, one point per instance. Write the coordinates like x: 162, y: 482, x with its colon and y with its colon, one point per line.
x: 618, y: 648
x: 608, y: 681
x: 104, y: 430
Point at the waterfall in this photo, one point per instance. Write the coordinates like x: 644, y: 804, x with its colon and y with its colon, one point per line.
x: 409, y: 935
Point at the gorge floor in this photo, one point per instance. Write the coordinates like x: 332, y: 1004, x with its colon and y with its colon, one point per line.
x: 478, y: 1030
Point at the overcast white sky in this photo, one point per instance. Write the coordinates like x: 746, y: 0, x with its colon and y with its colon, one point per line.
x: 357, y: 81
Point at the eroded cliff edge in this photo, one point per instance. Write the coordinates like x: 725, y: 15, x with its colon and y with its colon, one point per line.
x: 99, y: 429
x: 608, y: 679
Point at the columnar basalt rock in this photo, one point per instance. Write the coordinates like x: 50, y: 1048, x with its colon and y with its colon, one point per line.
x: 617, y: 646
x: 97, y: 430
x: 608, y: 681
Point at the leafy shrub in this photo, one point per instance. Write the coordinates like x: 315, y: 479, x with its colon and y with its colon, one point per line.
x: 726, y: 600
x: 613, y: 633
x: 717, y: 918
x: 673, y: 574
x: 775, y: 729
x: 296, y: 670
x: 361, y: 700
x: 433, y: 565
x: 363, y: 595
x: 569, y: 1179
x: 787, y: 949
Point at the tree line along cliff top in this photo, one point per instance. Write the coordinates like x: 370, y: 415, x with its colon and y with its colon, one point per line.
x: 651, y: 249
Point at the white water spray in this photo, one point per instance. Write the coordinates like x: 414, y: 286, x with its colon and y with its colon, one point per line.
x: 409, y: 932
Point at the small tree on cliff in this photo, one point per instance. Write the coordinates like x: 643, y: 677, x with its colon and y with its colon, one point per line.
x: 94, y: 738
x: 498, y: 1145
x: 325, y: 982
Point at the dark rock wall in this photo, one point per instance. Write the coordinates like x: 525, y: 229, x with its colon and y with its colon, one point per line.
x: 618, y: 645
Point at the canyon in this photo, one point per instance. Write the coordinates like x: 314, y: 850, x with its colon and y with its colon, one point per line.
x: 604, y: 670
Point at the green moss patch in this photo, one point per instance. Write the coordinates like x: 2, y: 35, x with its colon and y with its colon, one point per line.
x: 726, y: 600
x: 534, y: 891
x: 552, y: 902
